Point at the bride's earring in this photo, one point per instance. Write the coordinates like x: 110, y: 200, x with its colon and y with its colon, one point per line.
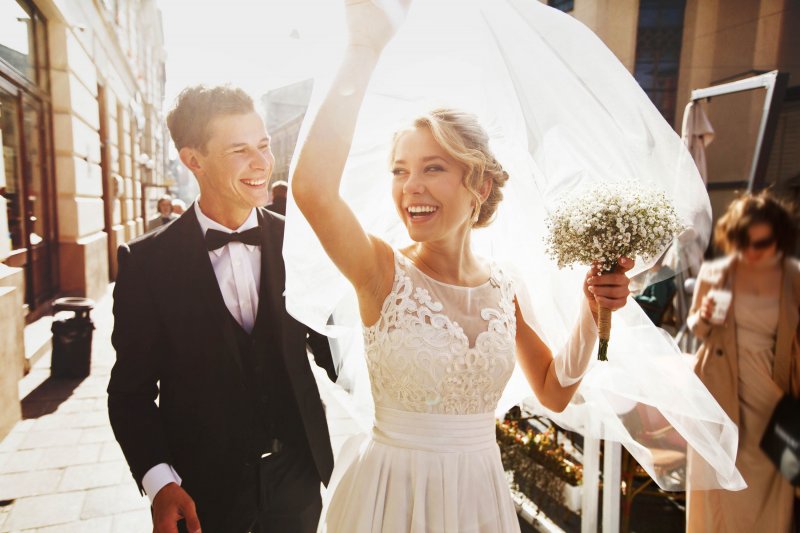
x: 476, y: 212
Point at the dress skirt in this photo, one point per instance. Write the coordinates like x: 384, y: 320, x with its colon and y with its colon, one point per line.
x: 420, y: 473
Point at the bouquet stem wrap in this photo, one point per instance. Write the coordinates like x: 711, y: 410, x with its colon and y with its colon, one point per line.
x: 604, y: 329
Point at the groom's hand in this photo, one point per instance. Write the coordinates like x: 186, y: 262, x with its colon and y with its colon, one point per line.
x: 170, y: 505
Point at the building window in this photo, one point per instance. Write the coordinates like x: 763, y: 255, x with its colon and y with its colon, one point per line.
x: 17, y: 44
x: 658, y: 52
x: 564, y: 5
x: 12, y: 184
x: 22, y: 40
x: 27, y: 181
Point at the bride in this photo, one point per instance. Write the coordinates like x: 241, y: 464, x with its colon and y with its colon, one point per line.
x: 442, y: 325
x: 445, y: 326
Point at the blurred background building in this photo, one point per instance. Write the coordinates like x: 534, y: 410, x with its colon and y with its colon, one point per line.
x: 284, y: 109
x: 673, y: 47
x: 83, y: 137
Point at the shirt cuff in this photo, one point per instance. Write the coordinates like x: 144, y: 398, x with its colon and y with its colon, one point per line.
x: 157, y: 477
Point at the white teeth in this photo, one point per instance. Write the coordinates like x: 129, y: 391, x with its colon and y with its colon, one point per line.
x: 421, y: 209
x: 254, y: 182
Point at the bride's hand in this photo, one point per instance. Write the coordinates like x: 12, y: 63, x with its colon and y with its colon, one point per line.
x: 373, y: 23
x: 609, y: 290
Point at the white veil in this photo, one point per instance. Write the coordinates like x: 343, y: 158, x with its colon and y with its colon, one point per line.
x: 563, y: 114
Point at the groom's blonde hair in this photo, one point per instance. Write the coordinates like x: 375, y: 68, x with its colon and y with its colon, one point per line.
x: 460, y: 134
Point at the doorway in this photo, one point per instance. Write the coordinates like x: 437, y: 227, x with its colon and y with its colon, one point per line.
x: 29, y: 193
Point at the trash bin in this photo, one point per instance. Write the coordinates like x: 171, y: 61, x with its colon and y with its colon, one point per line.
x: 72, y: 338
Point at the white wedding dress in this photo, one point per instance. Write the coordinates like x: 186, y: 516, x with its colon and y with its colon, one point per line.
x: 439, y: 358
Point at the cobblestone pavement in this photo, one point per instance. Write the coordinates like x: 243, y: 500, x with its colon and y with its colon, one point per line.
x: 61, y: 471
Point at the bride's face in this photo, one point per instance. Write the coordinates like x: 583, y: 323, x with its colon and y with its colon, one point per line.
x: 428, y: 188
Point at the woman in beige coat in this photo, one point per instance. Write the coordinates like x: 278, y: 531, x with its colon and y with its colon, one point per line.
x: 749, y: 359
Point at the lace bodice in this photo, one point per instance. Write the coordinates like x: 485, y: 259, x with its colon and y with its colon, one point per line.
x: 440, y: 348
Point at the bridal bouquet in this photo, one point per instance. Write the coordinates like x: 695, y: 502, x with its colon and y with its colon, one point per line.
x: 606, y: 223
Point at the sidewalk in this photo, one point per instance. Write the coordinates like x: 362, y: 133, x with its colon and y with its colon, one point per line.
x: 61, y: 471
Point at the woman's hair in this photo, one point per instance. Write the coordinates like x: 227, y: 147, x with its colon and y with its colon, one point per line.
x: 731, y: 231
x: 465, y: 140
x: 197, y: 106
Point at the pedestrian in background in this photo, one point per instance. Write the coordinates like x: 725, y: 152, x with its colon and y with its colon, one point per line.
x: 165, y: 213
x: 278, y: 193
x: 749, y: 356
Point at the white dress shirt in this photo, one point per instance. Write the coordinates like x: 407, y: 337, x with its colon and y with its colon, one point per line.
x: 237, y: 267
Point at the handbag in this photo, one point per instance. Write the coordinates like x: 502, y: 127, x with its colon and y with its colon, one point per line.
x: 781, y: 440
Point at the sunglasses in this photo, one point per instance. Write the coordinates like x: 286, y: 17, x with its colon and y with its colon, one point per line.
x: 761, y: 244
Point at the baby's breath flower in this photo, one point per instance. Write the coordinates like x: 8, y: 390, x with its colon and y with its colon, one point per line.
x: 609, y: 222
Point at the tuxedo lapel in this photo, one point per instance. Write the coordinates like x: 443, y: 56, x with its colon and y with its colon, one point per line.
x: 274, y: 328
x: 270, y: 298
x: 276, y: 331
x: 197, y: 285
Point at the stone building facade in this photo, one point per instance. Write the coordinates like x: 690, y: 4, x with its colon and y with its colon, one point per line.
x: 83, y: 136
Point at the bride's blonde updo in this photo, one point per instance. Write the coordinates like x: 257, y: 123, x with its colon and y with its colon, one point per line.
x: 464, y: 139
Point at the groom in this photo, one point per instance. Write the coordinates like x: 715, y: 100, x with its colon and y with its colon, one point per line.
x: 237, y: 440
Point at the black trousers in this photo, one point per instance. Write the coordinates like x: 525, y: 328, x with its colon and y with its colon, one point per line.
x: 279, y: 494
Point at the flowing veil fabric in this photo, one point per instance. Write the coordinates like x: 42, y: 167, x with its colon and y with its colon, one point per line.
x: 563, y: 114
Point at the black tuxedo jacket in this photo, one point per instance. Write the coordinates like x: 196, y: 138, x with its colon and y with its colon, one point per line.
x: 172, y: 329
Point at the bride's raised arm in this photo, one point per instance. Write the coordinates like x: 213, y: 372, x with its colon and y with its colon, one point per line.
x: 318, y: 173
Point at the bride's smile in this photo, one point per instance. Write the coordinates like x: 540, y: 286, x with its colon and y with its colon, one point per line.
x: 428, y: 187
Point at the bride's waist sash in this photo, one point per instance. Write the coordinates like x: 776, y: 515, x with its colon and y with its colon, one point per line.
x: 434, y: 432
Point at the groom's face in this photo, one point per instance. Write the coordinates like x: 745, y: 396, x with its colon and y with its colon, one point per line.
x: 234, y: 171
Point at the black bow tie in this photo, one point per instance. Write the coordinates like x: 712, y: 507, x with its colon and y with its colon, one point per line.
x: 217, y: 239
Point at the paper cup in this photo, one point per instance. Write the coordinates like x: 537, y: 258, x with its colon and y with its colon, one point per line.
x: 722, y: 301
